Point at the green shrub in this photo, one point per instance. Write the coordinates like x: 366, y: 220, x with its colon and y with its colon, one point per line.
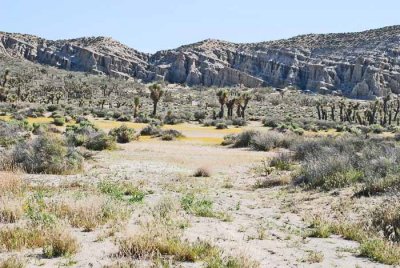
x: 123, y: 134
x: 100, y: 142
x: 46, y: 154
x: 59, y: 121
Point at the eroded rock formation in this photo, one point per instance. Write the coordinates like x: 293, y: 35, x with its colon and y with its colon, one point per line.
x: 361, y: 64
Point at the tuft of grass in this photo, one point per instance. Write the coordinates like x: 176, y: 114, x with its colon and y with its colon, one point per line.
x: 13, y: 262
x: 371, y: 244
x: 202, y: 172
x: 202, y: 207
x: 162, y: 242
x: 11, y: 184
x: 239, y: 261
x: 122, y: 191
x: 89, y: 212
x: 20, y: 237
x: 60, y: 243
x: 314, y: 257
x: 10, y: 209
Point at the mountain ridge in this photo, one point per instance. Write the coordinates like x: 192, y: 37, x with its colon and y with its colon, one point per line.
x: 360, y: 64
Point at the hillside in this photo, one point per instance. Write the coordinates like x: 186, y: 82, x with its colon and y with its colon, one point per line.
x: 363, y: 64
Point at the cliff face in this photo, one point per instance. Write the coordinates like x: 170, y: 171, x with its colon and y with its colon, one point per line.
x: 361, y: 64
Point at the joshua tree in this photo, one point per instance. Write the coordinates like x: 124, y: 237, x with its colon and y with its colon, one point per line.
x: 222, y: 99
x: 230, y: 105
x: 245, y: 98
x: 136, y: 106
x: 6, y: 77
x: 156, y: 92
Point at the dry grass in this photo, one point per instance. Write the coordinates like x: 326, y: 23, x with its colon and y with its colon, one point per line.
x: 10, y: 209
x: 202, y: 172
x: 13, y: 262
x: 10, y: 184
x: 89, y: 212
x: 21, y: 237
x: 60, y: 242
x: 55, y: 241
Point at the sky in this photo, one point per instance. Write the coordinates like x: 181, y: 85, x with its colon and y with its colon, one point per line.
x: 154, y: 25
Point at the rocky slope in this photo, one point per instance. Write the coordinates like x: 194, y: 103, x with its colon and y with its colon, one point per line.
x: 361, y: 64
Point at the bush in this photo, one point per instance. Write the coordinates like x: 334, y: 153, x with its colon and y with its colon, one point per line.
x: 244, y: 139
x: 386, y: 219
x: 202, y: 172
x: 12, y: 132
x: 265, y: 141
x: 100, y: 142
x: 123, y: 134
x: 59, y: 121
x: 60, y: 243
x: 270, y: 122
x: 221, y: 126
x: 151, y: 130
x: 46, y: 154
x: 124, y: 118
x: 200, y: 115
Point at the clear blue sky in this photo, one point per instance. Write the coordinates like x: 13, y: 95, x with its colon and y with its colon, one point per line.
x: 152, y: 25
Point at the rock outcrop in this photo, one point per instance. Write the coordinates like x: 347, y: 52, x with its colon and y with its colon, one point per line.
x: 364, y: 64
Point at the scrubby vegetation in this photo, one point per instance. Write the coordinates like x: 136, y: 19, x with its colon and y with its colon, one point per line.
x: 329, y: 147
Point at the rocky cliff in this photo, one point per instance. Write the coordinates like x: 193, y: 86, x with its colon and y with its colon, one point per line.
x: 361, y: 64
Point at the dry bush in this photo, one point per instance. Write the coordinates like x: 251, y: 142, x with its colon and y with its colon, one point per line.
x: 20, y: 237
x: 386, y: 219
x: 89, y: 212
x: 202, y: 172
x: 60, y: 242
x: 13, y: 262
x: 11, y: 184
x: 10, y: 209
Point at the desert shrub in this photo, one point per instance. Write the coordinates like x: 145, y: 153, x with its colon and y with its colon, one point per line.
x: 376, y: 129
x: 58, y: 243
x: 11, y: 184
x: 265, y: 141
x: 151, y: 130
x: 88, y: 212
x: 244, y: 139
x: 123, y: 134
x: 282, y: 161
x: 100, y: 142
x: 240, y: 122
x: 59, y: 121
x: 46, y: 154
x: 386, y: 219
x: 200, y: 115
x: 124, y: 118
x: 202, y: 172
x: 229, y: 140
x: 142, y: 118
x: 172, y: 119
x: 10, y: 209
x: 221, y: 126
x: 13, y: 262
x: 171, y: 134
x: 78, y: 135
x: 53, y: 107
x: 336, y: 162
x: 271, y: 122
x: 39, y: 129
x: 13, y: 132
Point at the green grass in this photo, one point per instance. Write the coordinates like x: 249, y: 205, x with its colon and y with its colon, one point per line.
x: 122, y: 191
x: 371, y: 244
x: 202, y: 207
